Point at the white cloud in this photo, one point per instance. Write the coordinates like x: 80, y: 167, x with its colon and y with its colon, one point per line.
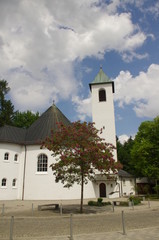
x: 142, y: 91
x: 124, y: 138
x: 83, y: 107
x: 45, y: 38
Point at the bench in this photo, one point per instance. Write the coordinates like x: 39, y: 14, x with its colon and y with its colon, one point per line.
x: 48, y: 206
x: 116, y: 203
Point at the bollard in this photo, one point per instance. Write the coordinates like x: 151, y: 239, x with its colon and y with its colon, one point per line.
x: 132, y: 204
x: 113, y: 206
x: 32, y: 209
x: 71, y: 227
x: 11, y: 228
x: 123, y: 222
x: 143, y: 199
x: 149, y: 203
x: 3, y: 210
x: 61, y: 209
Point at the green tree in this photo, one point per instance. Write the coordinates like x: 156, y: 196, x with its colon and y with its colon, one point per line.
x: 145, y: 151
x: 6, y: 107
x: 124, y: 154
x: 24, y: 119
x: 80, y: 152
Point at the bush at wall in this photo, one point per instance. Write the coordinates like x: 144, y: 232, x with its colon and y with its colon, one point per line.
x: 135, y: 200
x: 98, y: 203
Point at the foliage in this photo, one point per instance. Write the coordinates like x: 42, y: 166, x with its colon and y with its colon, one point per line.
x: 6, y: 107
x: 156, y: 188
x: 136, y: 200
x: 98, y: 203
x: 145, y: 151
x: 124, y: 203
x: 100, y: 200
x: 124, y: 154
x: 80, y: 152
x: 24, y: 119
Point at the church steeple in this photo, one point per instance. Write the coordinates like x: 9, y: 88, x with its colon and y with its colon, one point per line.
x: 102, y: 89
x: 101, y: 78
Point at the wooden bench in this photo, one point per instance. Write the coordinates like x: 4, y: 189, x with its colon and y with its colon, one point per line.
x: 48, y: 206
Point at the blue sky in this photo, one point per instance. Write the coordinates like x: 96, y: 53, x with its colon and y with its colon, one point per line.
x: 51, y: 50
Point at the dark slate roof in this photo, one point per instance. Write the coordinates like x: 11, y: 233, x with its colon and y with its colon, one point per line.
x: 122, y: 173
x: 42, y: 127
x: 37, y: 132
x: 10, y: 134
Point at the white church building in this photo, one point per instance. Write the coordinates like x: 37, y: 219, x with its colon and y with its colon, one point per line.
x: 24, y: 167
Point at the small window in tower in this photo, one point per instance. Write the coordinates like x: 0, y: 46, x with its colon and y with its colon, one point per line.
x: 102, y: 95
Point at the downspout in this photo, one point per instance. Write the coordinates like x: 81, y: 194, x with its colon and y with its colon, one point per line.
x: 121, y: 187
x: 24, y: 173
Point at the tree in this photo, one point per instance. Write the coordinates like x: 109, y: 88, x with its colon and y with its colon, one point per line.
x: 145, y: 151
x: 124, y: 154
x: 80, y: 154
x: 6, y: 107
x: 24, y: 119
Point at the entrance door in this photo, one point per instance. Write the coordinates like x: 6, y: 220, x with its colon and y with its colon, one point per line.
x: 102, y: 190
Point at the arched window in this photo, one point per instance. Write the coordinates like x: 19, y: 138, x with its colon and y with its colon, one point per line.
x: 16, y: 157
x: 102, y: 95
x: 6, y: 156
x: 4, y: 182
x: 42, y: 163
x: 14, y: 182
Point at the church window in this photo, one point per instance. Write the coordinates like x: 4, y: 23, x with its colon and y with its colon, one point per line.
x: 14, y: 182
x: 42, y: 163
x: 4, y: 182
x: 16, y: 157
x: 102, y: 95
x: 6, y: 156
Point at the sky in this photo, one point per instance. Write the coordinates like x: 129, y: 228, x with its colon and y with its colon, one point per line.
x: 50, y: 50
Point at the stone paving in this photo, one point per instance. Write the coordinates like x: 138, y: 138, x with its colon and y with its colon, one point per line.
x: 142, y: 222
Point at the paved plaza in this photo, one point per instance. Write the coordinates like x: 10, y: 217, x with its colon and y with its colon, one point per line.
x: 140, y: 222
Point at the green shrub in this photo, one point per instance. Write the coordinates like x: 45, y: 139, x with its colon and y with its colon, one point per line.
x: 92, y: 203
x: 156, y: 188
x: 124, y: 204
x: 135, y: 200
x: 99, y: 203
x: 100, y: 200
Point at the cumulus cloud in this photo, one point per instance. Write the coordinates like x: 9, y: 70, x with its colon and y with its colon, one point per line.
x: 141, y: 91
x: 124, y: 138
x: 83, y: 107
x: 41, y: 40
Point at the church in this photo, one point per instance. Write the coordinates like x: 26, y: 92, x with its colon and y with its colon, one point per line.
x: 24, y: 167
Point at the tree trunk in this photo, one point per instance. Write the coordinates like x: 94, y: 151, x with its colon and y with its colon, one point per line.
x: 82, y: 188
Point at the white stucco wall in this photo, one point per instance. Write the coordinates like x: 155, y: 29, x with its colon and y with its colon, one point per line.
x: 10, y: 170
x: 103, y: 113
x: 127, y: 186
x: 42, y: 185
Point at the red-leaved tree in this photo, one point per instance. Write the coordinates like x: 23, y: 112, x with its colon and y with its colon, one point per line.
x: 80, y: 153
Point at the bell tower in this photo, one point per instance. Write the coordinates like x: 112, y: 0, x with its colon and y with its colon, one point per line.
x: 102, y: 89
